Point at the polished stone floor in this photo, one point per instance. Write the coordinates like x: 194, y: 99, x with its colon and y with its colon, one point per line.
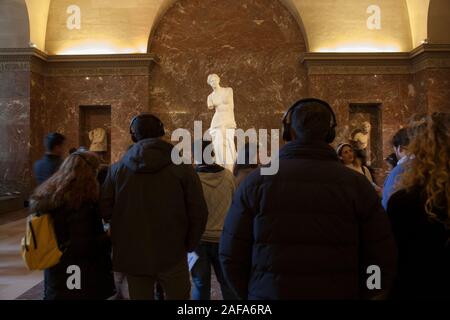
x: 15, y: 278
x: 16, y: 281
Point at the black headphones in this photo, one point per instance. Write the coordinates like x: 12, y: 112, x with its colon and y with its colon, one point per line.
x: 160, y: 132
x: 331, y: 135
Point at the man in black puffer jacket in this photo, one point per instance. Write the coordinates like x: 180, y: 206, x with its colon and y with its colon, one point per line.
x: 158, y: 213
x: 311, y: 230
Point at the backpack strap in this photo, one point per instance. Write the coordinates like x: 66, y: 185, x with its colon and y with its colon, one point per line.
x: 33, y: 235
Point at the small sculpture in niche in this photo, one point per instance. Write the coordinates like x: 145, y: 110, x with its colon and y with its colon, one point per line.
x: 223, y: 124
x: 361, y: 142
x: 98, y: 138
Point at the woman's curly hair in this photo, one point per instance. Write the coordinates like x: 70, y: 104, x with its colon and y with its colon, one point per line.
x: 429, y: 163
x: 72, y: 185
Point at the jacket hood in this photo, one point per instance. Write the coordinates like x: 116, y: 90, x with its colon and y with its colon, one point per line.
x: 213, y: 179
x: 148, y: 156
x: 316, y: 151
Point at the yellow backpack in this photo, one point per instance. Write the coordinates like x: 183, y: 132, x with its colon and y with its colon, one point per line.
x: 39, y: 246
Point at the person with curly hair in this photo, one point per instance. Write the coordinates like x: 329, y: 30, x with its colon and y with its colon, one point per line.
x: 420, y: 212
x: 71, y: 198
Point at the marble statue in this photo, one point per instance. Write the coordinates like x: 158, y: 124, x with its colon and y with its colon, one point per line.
x: 98, y: 138
x: 361, y: 140
x: 223, y: 124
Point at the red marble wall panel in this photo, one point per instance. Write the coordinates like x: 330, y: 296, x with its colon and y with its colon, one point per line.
x: 397, y: 95
x: 14, y: 131
x: 37, y: 118
x: 438, y: 92
x: 127, y: 96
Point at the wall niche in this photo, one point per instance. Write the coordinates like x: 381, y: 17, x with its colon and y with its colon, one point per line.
x: 94, y: 117
x: 360, y: 113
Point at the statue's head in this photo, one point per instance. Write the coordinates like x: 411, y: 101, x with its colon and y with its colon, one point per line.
x: 213, y: 80
x: 366, y: 126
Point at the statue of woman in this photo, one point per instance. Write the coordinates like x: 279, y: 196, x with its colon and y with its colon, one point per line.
x: 223, y: 124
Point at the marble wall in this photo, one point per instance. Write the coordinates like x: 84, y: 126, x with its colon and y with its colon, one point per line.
x: 438, y: 89
x: 253, y: 45
x: 127, y: 96
x: 14, y: 127
x: 395, y: 93
x: 256, y: 46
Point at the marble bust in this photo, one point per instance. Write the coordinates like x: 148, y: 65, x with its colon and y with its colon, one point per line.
x: 361, y: 141
x: 98, y: 140
x: 223, y: 124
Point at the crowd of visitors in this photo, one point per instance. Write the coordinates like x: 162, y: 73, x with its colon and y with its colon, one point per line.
x: 311, y: 231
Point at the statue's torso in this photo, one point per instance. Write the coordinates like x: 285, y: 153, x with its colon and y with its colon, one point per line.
x: 224, y: 106
x: 362, y: 139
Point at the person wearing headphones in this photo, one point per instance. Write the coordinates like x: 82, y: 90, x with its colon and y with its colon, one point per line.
x: 157, y: 211
x: 311, y: 231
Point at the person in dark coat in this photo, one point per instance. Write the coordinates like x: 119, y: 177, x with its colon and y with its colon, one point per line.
x: 44, y: 168
x: 420, y: 213
x: 71, y: 197
x: 311, y: 230
x: 158, y: 213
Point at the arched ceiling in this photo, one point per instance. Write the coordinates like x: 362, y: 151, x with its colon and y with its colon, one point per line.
x: 125, y: 26
x: 418, y: 19
x: 38, y: 17
x: 439, y: 21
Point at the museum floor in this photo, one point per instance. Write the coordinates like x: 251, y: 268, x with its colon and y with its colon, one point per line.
x: 16, y: 282
x: 15, y: 279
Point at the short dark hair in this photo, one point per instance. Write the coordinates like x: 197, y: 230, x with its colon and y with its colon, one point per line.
x: 146, y: 127
x: 53, y: 140
x: 311, y: 122
x: 401, y: 138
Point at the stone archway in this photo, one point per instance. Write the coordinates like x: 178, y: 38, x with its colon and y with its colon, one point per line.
x: 255, y: 47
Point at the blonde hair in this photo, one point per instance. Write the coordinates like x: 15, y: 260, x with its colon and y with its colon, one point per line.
x: 429, y: 163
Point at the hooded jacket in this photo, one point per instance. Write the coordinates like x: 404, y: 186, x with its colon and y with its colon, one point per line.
x: 157, y: 209
x: 308, y: 232
x: 218, y: 188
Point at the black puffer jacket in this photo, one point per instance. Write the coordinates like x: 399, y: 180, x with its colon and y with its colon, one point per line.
x: 158, y: 210
x: 308, y: 232
x: 423, y: 247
